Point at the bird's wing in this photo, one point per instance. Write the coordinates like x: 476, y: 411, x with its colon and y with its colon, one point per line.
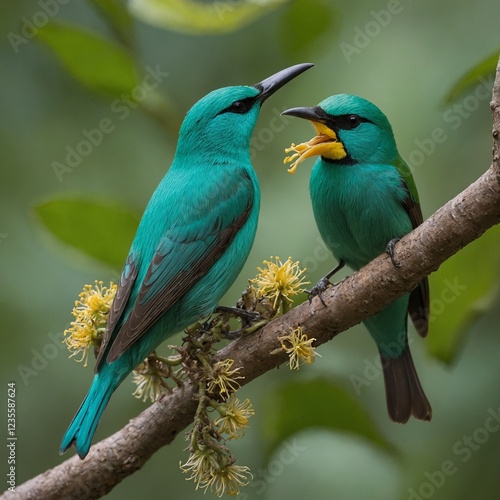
x: 185, y: 254
x: 419, y: 298
x: 127, y: 280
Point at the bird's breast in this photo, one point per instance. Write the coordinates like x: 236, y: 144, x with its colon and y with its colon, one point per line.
x: 358, y: 209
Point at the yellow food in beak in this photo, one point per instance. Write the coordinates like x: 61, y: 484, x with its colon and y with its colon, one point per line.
x: 324, y: 144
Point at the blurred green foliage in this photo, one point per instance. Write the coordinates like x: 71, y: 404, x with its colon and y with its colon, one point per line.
x: 319, y: 403
x: 84, y: 225
x: 117, y: 15
x: 469, y: 80
x: 304, y: 22
x: 205, y: 17
x: 95, y: 62
x: 464, y: 288
x: 328, y: 433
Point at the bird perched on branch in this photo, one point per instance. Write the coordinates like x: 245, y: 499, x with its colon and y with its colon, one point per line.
x: 364, y: 199
x: 193, y: 239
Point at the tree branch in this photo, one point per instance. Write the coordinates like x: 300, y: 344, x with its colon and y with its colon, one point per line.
x: 364, y: 293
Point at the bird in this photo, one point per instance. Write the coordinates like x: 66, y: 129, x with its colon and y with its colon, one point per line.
x: 191, y: 243
x: 364, y: 199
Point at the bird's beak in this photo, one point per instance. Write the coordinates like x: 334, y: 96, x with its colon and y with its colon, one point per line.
x: 325, y: 143
x: 270, y: 85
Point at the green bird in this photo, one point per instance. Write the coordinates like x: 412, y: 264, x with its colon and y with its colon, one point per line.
x: 192, y: 241
x: 364, y: 199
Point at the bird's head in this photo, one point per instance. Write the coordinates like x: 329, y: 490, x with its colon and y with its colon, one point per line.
x: 221, y: 123
x: 349, y: 129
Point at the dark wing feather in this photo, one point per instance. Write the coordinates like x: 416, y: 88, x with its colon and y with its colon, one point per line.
x: 127, y: 280
x: 182, y: 258
x: 419, y: 298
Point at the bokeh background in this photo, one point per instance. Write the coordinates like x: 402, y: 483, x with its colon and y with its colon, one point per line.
x: 406, y: 56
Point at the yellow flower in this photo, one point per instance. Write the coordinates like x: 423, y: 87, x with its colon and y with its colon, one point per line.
x: 149, y: 381
x: 325, y: 143
x: 300, y: 348
x: 279, y: 280
x: 222, y: 378
x: 216, y: 472
x: 91, y: 315
x: 200, y: 464
x: 94, y: 303
x: 228, y: 479
x: 80, y: 338
x: 234, y: 417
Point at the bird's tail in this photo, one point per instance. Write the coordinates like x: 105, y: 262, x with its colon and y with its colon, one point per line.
x: 82, y: 428
x: 404, y: 394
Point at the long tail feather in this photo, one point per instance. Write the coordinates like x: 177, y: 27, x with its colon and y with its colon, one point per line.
x: 404, y: 394
x: 82, y: 428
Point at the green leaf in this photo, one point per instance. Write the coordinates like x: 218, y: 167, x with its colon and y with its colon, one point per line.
x: 117, y: 15
x: 304, y: 22
x: 461, y: 290
x: 100, y: 230
x: 484, y: 68
x: 318, y: 403
x: 202, y: 18
x: 95, y: 62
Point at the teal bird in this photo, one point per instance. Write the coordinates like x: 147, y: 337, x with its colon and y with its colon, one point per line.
x: 193, y: 239
x: 364, y: 198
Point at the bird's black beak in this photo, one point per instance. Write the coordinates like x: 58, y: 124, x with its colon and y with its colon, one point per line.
x: 315, y: 114
x: 270, y: 85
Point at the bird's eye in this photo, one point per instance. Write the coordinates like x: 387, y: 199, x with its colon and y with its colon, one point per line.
x: 352, y: 121
x: 347, y: 122
x: 240, y: 107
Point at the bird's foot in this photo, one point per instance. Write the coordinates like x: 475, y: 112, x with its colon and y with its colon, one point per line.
x: 248, y: 316
x: 323, y: 284
x: 390, y: 251
x: 317, y: 290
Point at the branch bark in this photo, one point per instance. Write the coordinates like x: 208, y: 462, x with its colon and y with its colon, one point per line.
x: 455, y: 225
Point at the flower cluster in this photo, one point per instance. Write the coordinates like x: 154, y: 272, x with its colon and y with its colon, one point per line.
x: 210, y: 464
x: 279, y: 281
x: 216, y: 471
x: 91, y: 315
x: 148, y: 377
x: 234, y: 416
x: 298, y: 347
x: 223, y: 379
